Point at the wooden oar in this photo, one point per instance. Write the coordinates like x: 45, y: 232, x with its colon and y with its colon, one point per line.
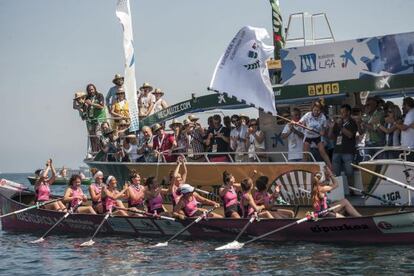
x: 239, y: 245
x: 37, y: 205
x: 145, y: 213
x: 383, y: 177
x: 251, y: 220
x: 91, y: 242
x: 71, y: 211
x: 197, y: 220
x: 373, y: 196
x: 296, y: 123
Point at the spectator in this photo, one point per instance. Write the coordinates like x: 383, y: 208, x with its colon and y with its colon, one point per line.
x: 120, y: 109
x: 95, y: 114
x: 343, y: 132
x: 122, y: 128
x: 294, y: 134
x: 244, y: 120
x: 176, y: 127
x: 145, y: 148
x: 79, y: 104
x: 130, y: 148
x: 238, y: 139
x: 227, y: 122
x: 160, y: 103
x: 372, y: 119
x: 164, y: 143
x: 256, y: 140
x: 146, y: 101
x: 197, y: 127
x: 218, y: 137
x: 111, y: 146
x: 110, y: 98
x: 392, y: 133
x: 316, y: 121
x: 194, y: 142
x: 407, y: 127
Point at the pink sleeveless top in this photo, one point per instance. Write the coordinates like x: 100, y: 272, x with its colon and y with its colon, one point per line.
x: 98, y: 189
x: 322, y: 204
x: 138, y: 193
x: 77, y: 192
x: 175, y: 196
x: 109, y: 203
x: 230, y: 198
x: 262, y: 198
x: 43, y: 192
x: 190, y: 207
x: 155, y: 203
x: 247, y: 210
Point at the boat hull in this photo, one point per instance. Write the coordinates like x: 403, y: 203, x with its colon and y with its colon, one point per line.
x: 388, y: 228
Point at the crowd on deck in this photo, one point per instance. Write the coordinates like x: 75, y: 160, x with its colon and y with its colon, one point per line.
x: 146, y: 197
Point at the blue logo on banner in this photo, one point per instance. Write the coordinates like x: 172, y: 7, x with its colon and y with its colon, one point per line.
x: 347, y: 56
x: 308, y: 63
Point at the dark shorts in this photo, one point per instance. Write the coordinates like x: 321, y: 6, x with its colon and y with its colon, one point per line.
x: 316, y: 140
x: 231, y: 209
x: 158, y: 211
x: 196, y: 214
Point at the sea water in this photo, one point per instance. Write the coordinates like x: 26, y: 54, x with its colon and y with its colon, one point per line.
x: 61, y: 255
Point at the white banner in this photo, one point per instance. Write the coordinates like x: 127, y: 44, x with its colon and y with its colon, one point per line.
x: 242, y: 70
x: 123, y: 12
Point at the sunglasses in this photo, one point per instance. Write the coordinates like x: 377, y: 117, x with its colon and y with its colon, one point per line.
x: 253, y: 125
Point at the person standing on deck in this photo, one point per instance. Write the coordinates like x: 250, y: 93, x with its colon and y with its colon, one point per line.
x: 194, y: 142
x: 160, y: 103
x: 111, y: 96
x: 120, y: 108
x: 343, y: 133
x: 294, y: 134
x: 371, y: 121
x: 407, y: 127
x: 218, y: 138
x: 146, y: 101
x: 95, y: 114
x: 239, y: 139
x: 164, y: 143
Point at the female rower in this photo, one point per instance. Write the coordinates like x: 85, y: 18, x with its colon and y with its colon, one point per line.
x: 319, y: 198
x: 135, y: 192
x: 42, y: 188
x: 95, y: 190
x: 154, y: 196
x: 111, y: 197
x: 247, y: 203
x: 176, y: 180
x: 262, y: 197
x: 74, y: 195
x: 228, y: 193
x: 187, y: 205
x: 316, y: 121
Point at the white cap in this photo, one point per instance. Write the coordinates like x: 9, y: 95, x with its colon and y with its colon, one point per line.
x: 186, y: 188
x: 98, y: 174
x: 109, y: 179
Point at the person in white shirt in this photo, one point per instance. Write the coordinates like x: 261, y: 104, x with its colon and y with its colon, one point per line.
x: 316, y: 121
x: 256, y: 141
x: 238, y: 138
x: 160, y: 103
x: 407, y: 127
x: 130, y: 148
x: 295, y: 135
x: 146, y: 100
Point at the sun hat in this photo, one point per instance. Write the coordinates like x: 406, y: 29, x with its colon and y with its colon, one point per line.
x: 186, y: 188
x: 158, y: 91
x: 120, y: 91
x: 187, y: 122
x: 146, y: 85
x: 192, y: 117
x: 156, y: 127
x: 80, y: 94
x: 117, y: 77
x: 98, y: 174
x: 243, y: 116
x: 175, y: 122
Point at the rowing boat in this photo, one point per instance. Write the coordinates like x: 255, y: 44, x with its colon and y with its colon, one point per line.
x: 381, y: 224
x: 60, y: 180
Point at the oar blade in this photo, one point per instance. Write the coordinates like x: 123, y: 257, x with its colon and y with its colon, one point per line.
x: 160, y: 244
x: 87, y: 243
x: 40, y: 240
x: 234, y: 245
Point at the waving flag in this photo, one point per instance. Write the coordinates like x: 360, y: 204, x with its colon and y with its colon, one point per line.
x: 277, y: 23
x: 242, y: 70
x: 123, y: 12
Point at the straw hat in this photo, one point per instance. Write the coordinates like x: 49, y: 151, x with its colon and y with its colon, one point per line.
x: 123, y: 122
x: 79, y: 95
x: 175, y: 122
x: 188, y: 123
x: 120, y: 91
x: 241, y: 116
x: 193, y: 118
x: 158, y: 91
x: 146, y: 85
x: 117, y: 77
x: 156, y: 127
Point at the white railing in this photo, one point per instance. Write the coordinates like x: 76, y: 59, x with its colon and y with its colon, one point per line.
x: 379, y: 152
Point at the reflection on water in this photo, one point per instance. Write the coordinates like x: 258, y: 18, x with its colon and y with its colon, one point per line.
x: 123, y: 256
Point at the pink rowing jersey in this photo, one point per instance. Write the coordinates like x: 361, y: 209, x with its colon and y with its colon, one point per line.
x: 109, y: 203
x: 322, y: 204
x: 175, y: 196
x: 76, y: 192
x: 43, y: 191
x: 155, y: 203
x: 98, y: 189
x: 262, y: 198
x: 230, y: 197
x: 247, y: 210
x: 138, y: 195
x: 190, y: 207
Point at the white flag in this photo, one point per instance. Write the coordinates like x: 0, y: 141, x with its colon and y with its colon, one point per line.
x: 242, y: 70
x: 123, y: 12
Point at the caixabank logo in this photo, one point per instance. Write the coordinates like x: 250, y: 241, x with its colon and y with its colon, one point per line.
x: 308, y: 63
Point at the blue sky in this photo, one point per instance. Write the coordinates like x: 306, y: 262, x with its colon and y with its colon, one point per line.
x: 51, y: 48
